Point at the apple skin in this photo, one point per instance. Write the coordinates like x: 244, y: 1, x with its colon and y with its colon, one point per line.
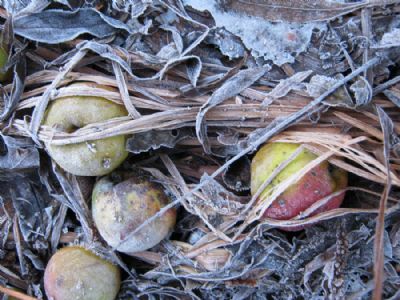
x: 76, y: 273
x: 118, y: 208
x: 92, y: 158
x: 319, y: 182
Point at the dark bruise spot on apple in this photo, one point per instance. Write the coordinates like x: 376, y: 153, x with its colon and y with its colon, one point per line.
x: 152, y: 199
x: 331, y: 169
x: 128, y: 229
x: 60, y: 281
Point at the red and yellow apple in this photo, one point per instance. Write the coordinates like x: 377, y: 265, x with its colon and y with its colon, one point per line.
x: 120, y: 207
x: 316, y: 184
x: 77, y: 273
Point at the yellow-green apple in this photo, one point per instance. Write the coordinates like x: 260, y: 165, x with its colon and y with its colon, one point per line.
x: 120, y: 206
x: 319, y: 182
x: 92, y: 158
x: 76, y: 273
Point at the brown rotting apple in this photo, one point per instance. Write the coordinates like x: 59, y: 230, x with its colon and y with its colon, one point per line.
x: 120, y: 206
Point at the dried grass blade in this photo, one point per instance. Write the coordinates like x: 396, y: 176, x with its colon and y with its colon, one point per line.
x: 387, y: 128
x: 40, y: 108
x: 18, y: 246
x: 123, y: 89
x: 360, y: 124
x: 334, y: 213
x: 387, y: 84
x: 15, y: 294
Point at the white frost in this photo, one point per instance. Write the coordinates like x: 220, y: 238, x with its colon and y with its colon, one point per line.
x: 280, y: 42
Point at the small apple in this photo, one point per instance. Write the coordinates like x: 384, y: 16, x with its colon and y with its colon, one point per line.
x: 92, y: 158
x: 320, y: 182
x: 76, y: 273
x: 120, y: 206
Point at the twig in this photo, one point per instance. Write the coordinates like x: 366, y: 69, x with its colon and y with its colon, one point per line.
x: 15, y: 294
x: 387, y: 84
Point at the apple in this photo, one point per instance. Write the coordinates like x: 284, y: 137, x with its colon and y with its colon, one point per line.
x: 92, y: 158
x: 122, y: 203
x: 320, y: 182
x: 76, y: 273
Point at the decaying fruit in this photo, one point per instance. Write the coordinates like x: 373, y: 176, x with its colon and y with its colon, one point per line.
x: 92, y: 158
x: 120, y: 206
x: 320, y: 182
x: 77, y: 273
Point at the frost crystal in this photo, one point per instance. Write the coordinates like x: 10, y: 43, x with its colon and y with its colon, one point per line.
x: 270, y: 40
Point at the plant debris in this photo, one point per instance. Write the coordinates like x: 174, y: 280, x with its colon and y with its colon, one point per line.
x: 204, y: 84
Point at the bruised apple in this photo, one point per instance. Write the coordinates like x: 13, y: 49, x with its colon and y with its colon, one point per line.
x: 121, y: 205
x: 77, y: 273
x: 92, y: 158
x: 318, y: 183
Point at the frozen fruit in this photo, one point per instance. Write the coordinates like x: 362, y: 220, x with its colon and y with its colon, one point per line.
x: 92, y: 158
x: 319, y: 182
x: 120, y: 207
x: 77, y: 273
